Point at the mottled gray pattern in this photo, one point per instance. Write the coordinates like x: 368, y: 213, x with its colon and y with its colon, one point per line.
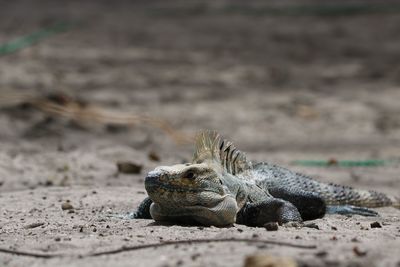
x: 273, y: 176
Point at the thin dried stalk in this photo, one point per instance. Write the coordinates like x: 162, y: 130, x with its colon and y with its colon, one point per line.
x: 156, y: 245
x: 72, y: 109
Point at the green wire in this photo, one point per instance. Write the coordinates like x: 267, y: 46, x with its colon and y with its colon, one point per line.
x: 343, y: 163
x: 31, y: 39
x: 350, y: 9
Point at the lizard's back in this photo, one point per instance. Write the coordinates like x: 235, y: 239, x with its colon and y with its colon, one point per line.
x: 275, y: 178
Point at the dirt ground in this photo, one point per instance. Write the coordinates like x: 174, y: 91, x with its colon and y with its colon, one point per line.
x: 282, y: 88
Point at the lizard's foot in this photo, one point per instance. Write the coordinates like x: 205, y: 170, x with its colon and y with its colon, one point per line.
x: 350, y: 210
x: 142, y: 212
x: 269, y: 210
x: 310, y: 205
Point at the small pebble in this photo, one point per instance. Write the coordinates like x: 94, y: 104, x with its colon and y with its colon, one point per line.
x: 66, y: 206
x: 129, y: 167
x: 271, y: 226
x: 359, y: 252
x: 262, y: 260
x: 321, y: 254
x: 195, y: 256
x: 116, y: 128
x: 34, y: 225
x: 154, y: 156
x: 311, y: 225
x: 376, y: 225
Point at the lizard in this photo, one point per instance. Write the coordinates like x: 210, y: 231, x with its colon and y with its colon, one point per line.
x: 221, y: 187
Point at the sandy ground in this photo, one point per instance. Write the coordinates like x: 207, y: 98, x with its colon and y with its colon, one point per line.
x: 282, y: 88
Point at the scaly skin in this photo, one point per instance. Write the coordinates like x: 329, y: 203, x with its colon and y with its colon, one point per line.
x: 221, y: 187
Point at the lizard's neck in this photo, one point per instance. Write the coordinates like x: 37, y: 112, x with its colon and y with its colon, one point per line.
x: 242, y: 189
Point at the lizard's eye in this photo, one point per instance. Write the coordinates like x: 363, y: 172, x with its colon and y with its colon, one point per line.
x: 190, y: 175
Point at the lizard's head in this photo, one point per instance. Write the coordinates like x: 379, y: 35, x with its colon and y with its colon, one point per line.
x: 190, y: 193
x: 197, y: 192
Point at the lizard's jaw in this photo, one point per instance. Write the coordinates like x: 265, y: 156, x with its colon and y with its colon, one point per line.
x: 222, y: 213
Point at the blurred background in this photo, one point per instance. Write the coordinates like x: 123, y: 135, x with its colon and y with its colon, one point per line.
x: 94, y: 94
x: 84, y: 81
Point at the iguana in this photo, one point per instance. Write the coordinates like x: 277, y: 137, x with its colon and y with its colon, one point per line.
x: 221, y: 187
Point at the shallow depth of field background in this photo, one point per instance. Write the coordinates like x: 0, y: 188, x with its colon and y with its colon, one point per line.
x: 133, y: 81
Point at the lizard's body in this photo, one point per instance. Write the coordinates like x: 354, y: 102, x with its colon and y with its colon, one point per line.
x: 221, y: 187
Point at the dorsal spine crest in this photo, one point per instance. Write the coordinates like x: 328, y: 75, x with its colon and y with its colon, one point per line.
x: 210, y: 147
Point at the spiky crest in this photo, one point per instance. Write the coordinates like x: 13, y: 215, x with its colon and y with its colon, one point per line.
x: 210, y: 147
x: 206, y: 147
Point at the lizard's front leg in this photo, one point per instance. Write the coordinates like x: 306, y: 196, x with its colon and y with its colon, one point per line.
x: 309, y: 204
x: 143, y: 210
x: 268, y: 210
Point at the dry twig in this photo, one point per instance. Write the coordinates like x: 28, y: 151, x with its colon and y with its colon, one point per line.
x: 64, y: 106
x: 156, y: 245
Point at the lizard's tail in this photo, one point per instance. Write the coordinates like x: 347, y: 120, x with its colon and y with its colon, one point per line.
x: 344, y: 195
x: 334, y: 194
